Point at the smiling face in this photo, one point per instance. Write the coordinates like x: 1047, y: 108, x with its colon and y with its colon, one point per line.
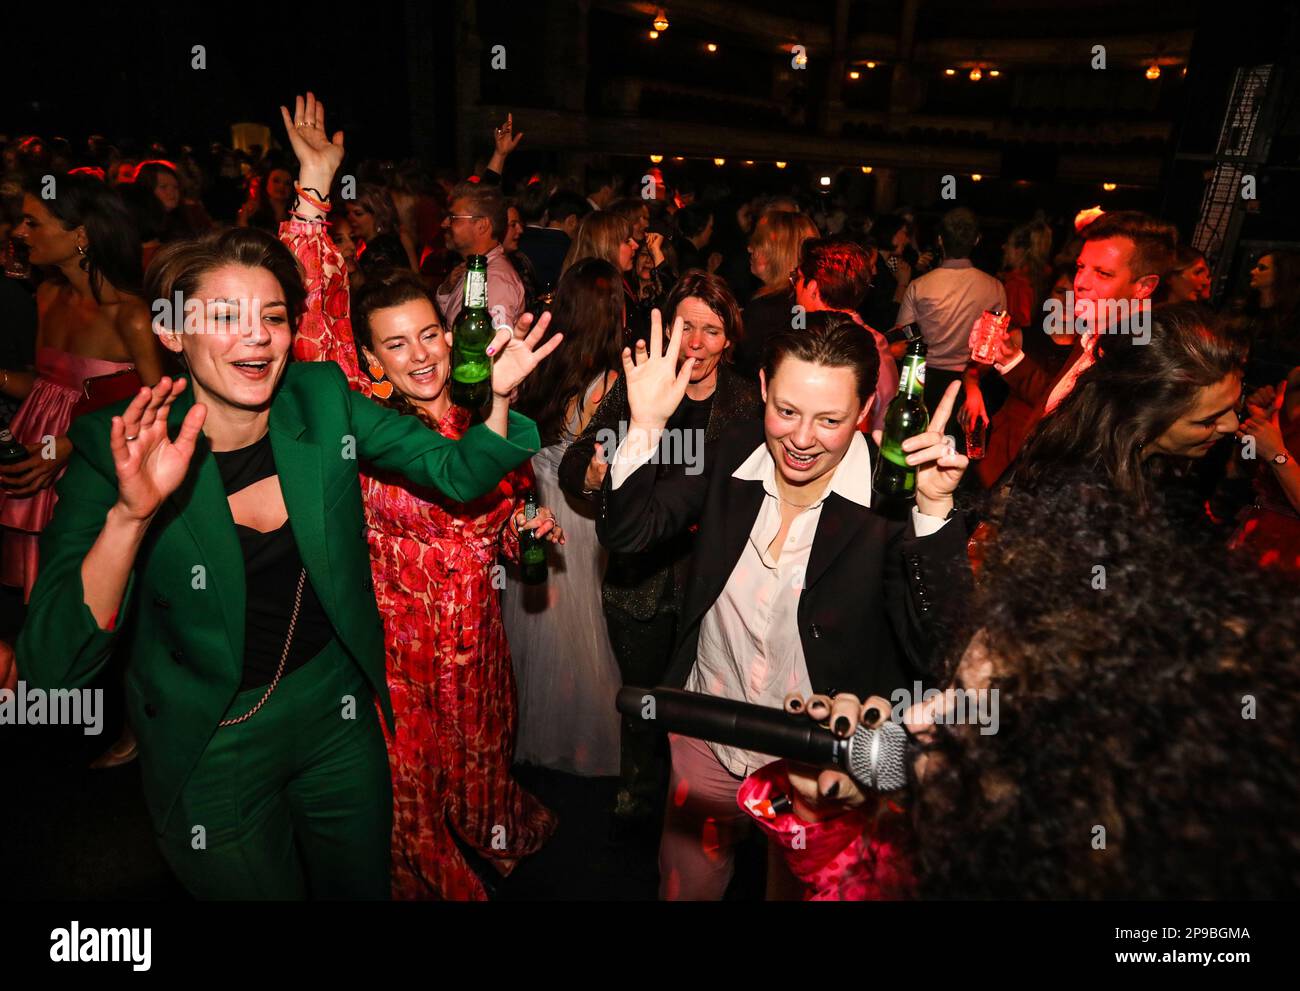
x: 1104, y: 272
x: 410, y: 345
x: 1210, y: 417
x: 168, y: 191
x: 811, y: 414
x: 239, y: 356
x: 48, y: 243
x: 703, y: 337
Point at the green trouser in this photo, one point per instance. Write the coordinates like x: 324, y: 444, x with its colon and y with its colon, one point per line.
x: 294, y: 803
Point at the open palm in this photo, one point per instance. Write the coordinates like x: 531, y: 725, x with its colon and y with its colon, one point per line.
x: 319, y: 156
x: 514, y: 357
x: 150, y: 466
x: 655, y: 386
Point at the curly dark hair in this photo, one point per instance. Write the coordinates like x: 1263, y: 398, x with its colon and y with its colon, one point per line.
x: 1125, y: 698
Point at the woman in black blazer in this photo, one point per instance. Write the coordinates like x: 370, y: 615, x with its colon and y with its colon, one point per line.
x: 797, y: 584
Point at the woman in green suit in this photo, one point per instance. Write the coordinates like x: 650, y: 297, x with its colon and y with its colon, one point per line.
x: 220, y: 529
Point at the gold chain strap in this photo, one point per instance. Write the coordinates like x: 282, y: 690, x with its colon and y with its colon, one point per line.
x: 279, y: 672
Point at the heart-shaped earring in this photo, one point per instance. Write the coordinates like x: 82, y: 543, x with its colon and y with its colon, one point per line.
x: 381, y: 387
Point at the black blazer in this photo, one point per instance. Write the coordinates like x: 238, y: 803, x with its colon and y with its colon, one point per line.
x: 879, y: 604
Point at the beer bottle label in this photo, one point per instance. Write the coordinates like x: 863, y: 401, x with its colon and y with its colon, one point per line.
x: 475, y: 289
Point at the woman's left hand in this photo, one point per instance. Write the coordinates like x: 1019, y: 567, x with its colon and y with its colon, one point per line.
x: 818, y: 793
x: 37, y: 472
x: 514, y: 357
x: 543, y: 523
x: 938, y: 465
x: 318, y: 155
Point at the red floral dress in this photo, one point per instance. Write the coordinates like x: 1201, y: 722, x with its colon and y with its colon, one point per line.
x: 449, y: 668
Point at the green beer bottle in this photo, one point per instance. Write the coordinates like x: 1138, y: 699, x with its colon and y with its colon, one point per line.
x: 471, y: 365
x: 895, y: 479
x: 532, y: 549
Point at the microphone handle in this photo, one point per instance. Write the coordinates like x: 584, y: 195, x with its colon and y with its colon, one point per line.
x: 736, y: 724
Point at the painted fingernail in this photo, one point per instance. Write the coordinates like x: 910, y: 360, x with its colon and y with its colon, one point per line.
x: 794, y: 705
x: 842, y: 726
x: 832, y: 789
x: 872, y: 714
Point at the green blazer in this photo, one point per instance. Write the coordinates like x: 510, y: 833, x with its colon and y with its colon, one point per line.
x: 184, y: 604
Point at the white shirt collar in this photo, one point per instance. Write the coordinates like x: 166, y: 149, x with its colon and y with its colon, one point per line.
x: 852, y: 478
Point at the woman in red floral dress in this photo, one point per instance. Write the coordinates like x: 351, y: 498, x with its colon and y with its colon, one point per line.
x: 436, y: 582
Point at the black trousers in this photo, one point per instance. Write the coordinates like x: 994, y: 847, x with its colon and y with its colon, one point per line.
x: 643, y: 649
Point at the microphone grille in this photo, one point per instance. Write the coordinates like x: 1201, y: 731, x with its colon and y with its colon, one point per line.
x: 878, y: 757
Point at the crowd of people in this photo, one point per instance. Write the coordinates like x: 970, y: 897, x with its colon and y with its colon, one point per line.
x: 282, y: 507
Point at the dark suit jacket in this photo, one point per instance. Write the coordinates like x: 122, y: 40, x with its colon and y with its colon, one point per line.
x: 1029, y: 385
x: 187, y: 636
x: 878, y: 606
x: 638, y: 583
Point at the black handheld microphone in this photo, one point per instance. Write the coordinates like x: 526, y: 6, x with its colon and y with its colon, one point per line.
x: 875, y: 757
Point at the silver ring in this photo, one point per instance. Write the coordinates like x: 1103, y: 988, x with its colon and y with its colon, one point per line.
x: 950, y: 442
x: 136, y: 437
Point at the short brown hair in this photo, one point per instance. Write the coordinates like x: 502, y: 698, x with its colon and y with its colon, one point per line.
x: 1155, y: 242
x: 179, y: 267
x: 832, y: 339
x: 841, y: 269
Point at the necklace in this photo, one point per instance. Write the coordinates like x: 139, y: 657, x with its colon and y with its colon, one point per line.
x: 794, y: 505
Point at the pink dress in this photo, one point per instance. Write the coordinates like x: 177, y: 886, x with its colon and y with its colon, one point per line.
x: 46, y: 412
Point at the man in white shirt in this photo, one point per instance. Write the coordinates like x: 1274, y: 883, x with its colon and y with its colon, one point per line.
x: 476, y: 225
x: 797, y: 585
x: 947, y: 301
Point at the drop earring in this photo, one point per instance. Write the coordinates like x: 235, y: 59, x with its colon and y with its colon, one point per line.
x: 84, y: 262
x: 381, y: 387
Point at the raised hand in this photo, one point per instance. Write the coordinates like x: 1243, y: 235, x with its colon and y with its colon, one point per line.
x: 938, y: 465
x: 655, y: 386
x: 515, y: 356
x: 505, y: 138
x: 319, y: 156
x: 150, y: 466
